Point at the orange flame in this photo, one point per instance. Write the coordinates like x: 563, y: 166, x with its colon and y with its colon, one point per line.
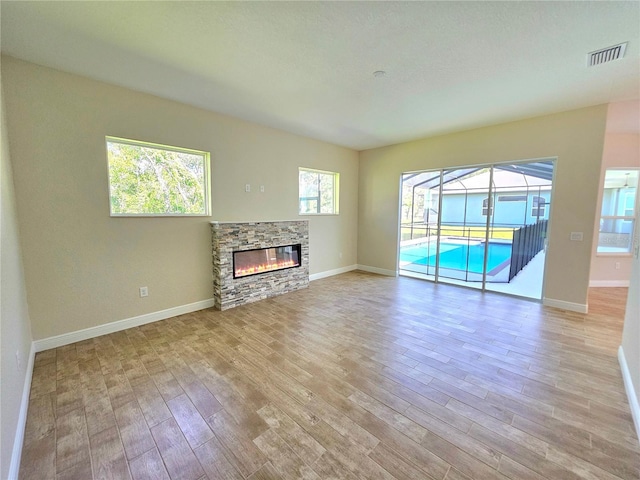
x: 264, y: 267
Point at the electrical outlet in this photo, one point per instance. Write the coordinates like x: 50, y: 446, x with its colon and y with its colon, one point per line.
x: 576, y: 236
x: 247, y: 188
x: 18, y: 360
x: 617, y: 265
x: 261, y: 188
x: 144, y: 292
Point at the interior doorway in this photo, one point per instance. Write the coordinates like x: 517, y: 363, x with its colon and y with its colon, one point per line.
x: 482, y: 226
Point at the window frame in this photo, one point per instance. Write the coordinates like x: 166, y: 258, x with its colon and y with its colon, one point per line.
x: 487, y: 207
x: 206, y: 184
x: 622, y: 218
x: 537, y: 210
x: 335, y: 187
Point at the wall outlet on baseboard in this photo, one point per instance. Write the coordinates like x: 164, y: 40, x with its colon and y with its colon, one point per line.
x: 144, y: 292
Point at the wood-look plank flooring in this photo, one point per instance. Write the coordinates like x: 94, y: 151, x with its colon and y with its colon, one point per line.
x: 357, y: 377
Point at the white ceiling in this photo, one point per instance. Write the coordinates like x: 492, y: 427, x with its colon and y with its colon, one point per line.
x: 307, y: 67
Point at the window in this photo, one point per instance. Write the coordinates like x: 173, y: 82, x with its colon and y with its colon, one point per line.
x: 485, y: 207
x: 538, y: 208
x: 629, y: 200
x: 318, y: 192
x: 617, y: 217
x: 147, y: 179
x: 512, y: 198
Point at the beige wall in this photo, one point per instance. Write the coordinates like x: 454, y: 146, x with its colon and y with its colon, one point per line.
x: 15, y: 332
x: 620, y: 150
x: 83, y: 268
x: 575, y: 138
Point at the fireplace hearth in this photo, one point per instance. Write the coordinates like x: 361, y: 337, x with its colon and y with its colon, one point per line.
x: 257, y: 260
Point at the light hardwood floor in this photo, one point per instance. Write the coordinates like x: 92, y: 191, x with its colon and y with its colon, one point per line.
x: 358, y: 376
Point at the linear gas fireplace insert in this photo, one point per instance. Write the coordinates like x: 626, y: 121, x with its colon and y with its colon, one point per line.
x: 264, y: 260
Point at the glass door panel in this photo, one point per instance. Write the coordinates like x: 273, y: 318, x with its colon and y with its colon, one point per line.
x: 463, y: 225
x: 522, y: 194
x: 419, y: 224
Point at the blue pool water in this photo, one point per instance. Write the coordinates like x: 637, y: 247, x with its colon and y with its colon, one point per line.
x: 457, y: 257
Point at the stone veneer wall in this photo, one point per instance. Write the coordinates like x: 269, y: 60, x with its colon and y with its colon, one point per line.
x: 227, y: 237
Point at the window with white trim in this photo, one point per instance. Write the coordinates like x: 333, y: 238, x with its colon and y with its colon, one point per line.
x: 538, y: 208
x: 318, y: 192
x: 487, y: 207
x: 617, y: 216
x: 148, y: 179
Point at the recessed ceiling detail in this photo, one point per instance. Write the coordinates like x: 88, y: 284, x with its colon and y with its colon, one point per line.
x: 606, y: 54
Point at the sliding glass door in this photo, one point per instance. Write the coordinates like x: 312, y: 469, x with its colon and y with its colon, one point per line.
x: 477, y: 226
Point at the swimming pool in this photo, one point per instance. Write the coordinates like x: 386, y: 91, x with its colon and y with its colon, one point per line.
x: 457, y: 256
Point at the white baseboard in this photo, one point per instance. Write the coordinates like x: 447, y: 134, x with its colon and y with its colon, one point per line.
x: 87, y: 333
x: 609, y: 283
x: 16, y: 454
x: 631, y: 393
x: 331, y: 273
x: 572, y: 307
x: 379, y: 271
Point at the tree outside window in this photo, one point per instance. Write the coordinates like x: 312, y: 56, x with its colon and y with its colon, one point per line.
x: 318, y: 192
x: 155, y: 180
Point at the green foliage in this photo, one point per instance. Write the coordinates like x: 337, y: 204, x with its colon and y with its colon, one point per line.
x: 317, y: 192
x: 146, y: 180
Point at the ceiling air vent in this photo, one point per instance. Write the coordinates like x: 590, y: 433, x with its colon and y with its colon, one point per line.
x: 606, y: 54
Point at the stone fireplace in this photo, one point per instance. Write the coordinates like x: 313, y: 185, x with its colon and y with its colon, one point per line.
x: 257, y: 260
